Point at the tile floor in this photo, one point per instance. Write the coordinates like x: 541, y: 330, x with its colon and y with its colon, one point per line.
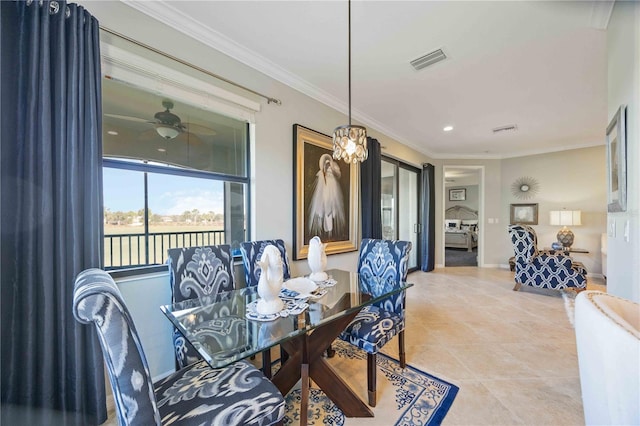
x: 513, y: 354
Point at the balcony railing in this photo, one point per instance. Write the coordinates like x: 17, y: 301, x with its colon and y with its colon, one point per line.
x: 129, y: 250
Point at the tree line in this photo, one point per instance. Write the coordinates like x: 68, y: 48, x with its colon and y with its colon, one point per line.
x: 137, y: 216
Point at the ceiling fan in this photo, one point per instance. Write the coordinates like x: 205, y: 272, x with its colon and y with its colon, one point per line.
x: 168, y: 125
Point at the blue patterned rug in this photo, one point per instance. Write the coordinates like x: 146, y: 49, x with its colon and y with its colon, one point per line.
x: 405, y: 397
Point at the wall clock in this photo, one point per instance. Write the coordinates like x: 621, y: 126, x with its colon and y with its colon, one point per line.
x: 525, y: 187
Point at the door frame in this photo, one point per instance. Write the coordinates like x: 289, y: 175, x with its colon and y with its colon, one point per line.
x: 481, y: 197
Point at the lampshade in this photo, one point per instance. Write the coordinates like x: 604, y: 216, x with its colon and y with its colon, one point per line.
x: 350, y: 141
x: 565, y: 217
x: 167, y: 132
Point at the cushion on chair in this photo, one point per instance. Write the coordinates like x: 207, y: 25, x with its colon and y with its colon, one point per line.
x: 382, y: 266
x: 195, y: 395
x: 552, y: 269
x: 235, y: 395
x: 372, y: 328
x: 198, y: 272
x: 252, y: 251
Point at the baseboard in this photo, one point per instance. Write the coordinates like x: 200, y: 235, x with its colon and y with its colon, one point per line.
x: 439, y: 265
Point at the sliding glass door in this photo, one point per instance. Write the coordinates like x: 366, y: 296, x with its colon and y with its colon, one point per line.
x: 400, y: 205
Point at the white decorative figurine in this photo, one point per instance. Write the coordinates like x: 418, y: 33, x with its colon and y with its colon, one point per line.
x: 270, y: 282
x: 317, y: 259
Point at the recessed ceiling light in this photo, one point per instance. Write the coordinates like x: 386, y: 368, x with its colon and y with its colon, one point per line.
x: 162, y: 150
x: 448, y: 128
x: 112, y: 133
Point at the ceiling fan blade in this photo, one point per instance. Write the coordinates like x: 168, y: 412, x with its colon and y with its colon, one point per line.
x: 148, y: 135
x: 189, y: 138
x: 129, y: 118
x: 198, y: 129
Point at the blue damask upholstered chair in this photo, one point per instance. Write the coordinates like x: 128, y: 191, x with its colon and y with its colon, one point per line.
x: 195, y: 395
x: 251, y: 252
x: 552, y: 269
x: 382, y: 267
x: 197, y: 272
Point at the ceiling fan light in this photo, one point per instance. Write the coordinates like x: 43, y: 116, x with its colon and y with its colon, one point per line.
x: 167, y: 132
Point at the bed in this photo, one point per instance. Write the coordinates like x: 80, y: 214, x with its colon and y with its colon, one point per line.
x: 461, y: 228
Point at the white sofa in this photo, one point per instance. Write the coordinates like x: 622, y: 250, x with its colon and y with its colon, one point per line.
x: 608, y: 343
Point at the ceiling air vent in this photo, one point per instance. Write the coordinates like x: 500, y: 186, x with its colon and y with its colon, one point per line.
x: 509, y: 128
x: 428, y: 59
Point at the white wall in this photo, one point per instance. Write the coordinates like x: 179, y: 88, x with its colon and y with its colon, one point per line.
x: 623, y: 50
x: 144, y: 294
x: 572, y: 180
x: 472, y: 198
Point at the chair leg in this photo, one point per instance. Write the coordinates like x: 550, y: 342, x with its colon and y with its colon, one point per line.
x: 330, y: 351
x: 403, y: 358
x: 517, y: 287
x: 371, y: 378
x: 266, y: 363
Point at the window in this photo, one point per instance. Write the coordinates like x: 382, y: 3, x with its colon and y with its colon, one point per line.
x: 175, y: 175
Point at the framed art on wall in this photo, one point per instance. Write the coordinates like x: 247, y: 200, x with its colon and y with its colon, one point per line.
x: 524, y: 214
x: 325, y: 195
x: 617, y: 162
x: 457, y: 194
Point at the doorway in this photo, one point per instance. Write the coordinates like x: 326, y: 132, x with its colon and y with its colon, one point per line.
x: 463, y: 212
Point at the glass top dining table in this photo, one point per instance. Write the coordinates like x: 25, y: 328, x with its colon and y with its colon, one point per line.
x: 218, y: 328
x: 223, y: 333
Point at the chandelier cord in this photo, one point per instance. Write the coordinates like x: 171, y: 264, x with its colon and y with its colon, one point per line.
x: 349, y: 15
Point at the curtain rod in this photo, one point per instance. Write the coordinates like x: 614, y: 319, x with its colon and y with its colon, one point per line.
x: 195, y: 67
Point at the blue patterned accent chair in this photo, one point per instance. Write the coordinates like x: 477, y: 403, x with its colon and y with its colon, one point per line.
x: 552, y: 269
x: 252, y: 251
x: 197, y: 272
x: 382, y: 267
x: 236, y: 395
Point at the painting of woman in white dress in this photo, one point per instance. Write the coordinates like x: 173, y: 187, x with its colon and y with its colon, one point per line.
x: 326, y: 215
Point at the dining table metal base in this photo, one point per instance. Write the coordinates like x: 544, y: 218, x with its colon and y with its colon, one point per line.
x: 306, y: 362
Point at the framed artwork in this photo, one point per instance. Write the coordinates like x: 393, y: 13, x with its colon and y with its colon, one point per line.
x: 617, y: 162
x: 524, y: 214
x: 457, y: 194
x: 325, y: 193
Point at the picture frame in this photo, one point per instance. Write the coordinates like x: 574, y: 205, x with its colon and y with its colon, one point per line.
x: 617, y: 162
x: 524, y: 214
x: 320, y: 185
x: 459, y: 194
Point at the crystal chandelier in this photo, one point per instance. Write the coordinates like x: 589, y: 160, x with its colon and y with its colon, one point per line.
x: 350, y: 141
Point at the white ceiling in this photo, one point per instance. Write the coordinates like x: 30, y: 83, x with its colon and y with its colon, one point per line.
x: 536, y: 64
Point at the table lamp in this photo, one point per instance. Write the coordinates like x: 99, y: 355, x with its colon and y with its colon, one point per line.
x: 565, y: 218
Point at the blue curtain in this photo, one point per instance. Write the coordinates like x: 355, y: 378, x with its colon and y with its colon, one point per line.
x: 51, y: 211
x: 371, y: 191
x: 428, y: 240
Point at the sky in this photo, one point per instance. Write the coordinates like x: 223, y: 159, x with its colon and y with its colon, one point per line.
x: 168, y: 195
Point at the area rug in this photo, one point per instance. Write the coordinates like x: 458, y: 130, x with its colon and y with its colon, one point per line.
x: 569, y: 297
x: 405, y: 396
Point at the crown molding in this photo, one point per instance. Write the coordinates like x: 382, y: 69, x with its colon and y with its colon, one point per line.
x: 173, y: 17
x: 601, y: 13
x: 176, y: 19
